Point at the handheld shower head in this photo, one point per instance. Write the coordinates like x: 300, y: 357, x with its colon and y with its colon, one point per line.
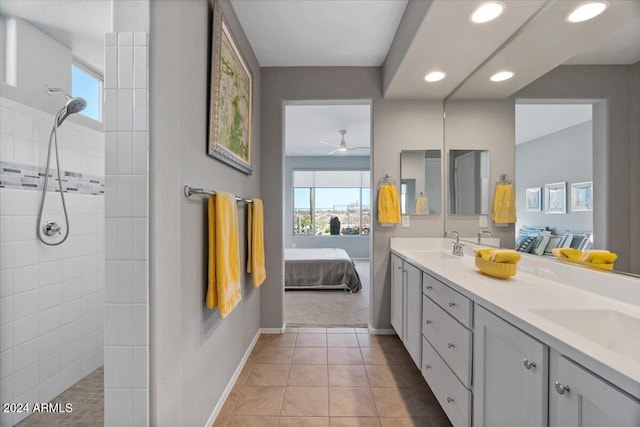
x: 73, y: 105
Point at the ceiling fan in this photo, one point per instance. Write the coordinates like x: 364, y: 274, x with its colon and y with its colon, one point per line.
x: 342, y: 147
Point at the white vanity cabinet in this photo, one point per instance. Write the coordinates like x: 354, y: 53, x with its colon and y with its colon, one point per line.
x: 406, y: 305
x: 578, y: 398
x: 510, y: 374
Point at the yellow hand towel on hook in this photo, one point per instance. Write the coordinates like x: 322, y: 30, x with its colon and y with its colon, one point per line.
x: 388, y: 204
x: 255, y: 237
x: 223, y: 289
x: 504, y: 205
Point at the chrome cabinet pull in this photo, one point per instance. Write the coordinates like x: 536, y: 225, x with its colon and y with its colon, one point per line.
x: 399, y: 268
x: 450, y: 400
x: 428, y: 322
x: 427, y: 366
x: 429, y: 287
x: 450, y: 345
x: 562, y: 388
x: 452, y: 304
x: 529, y: 364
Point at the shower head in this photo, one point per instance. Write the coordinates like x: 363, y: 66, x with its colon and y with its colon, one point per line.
x: 73, y: 105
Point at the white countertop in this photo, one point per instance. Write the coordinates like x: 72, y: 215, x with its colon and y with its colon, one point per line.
x: 514, y: 300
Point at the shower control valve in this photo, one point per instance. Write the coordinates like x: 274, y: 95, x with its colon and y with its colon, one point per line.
x: 51, y: 227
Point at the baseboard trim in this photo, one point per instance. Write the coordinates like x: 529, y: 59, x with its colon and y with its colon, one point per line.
x: 374, y: 331
x: 273, y: 330
x: 232, y: 381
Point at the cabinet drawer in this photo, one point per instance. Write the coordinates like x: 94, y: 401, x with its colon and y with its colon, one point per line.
x: 453, y: 302
x: 450, y: 339
x: 454, y: 398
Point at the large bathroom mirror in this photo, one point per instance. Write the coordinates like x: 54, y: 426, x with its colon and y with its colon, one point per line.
x: 469, y: 182
x: 566, y: 129
x: 421, y: 182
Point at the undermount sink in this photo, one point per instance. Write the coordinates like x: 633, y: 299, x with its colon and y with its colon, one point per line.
x: 608, y: 328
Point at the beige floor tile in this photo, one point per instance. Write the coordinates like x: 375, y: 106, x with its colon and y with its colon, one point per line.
x: 351, y: 402
x: 268, y: 375
x: 348, y: 375
x: 221, y: 421
x: 279, y: 340
x: 378, y: 356
x: 345, y: 356
x: 342, y: 340
x: 341, y: 331
x: 312, y: 330
x: 368, y: 340
x: 244, y: 374
x: 252, y: 421
x: 388, y: 376
x: 230, y: 403
x: 405, y: 422
x: 309, y: 356
x: 306, y: 401
x: 354, y: 422
x: 275, y: 355
x: 259, y: 401
x: 308, y: 376
x: 311, y: 340
x: 291, y: 330
x: 398, y: 402
x: 303, y: 422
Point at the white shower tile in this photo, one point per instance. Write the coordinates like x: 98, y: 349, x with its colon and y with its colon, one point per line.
x: 50, y: 296
x: 125, y: 367
x: 140, y: 192
x: 140, y: 373
x: 51, y: 388
x: 111, y: 67
x: 50, y: 272
x: 111, y: 196
x: 25, y: 354
x: 25, y: 202
x: 25, y: 329
x: 140, y: 153
x: 25, y: 253
x: 24, y: 228
x: 140, y: 239
x: 72, y: 310
x: 111, y: 238
x: 51, y: 319
x: 140, y: 110
x: 125, y: 67
x: 25, y: 379
x: 111, y: 402
x: 6, y: 120
x: 111, y: 153
x: 7, y: 256
x: 50, y: 253
x: 125, y: 153
x: 111, y: 39
x: 125, y: 110
x: 7, y: 230
x: 140, y: 68
x: 111, y: 285
x: 140, y: 39
x: 125, y: 282
x: 140, y: 325
x: 125, y: 196
x: 125, y: 320
x: 140, y: 290
x: 140, y: 407
x: 110, y: 367
x: 50, y: 343
x: 71, y: 375
x: 7, y: 280
x: 125, y: 407
x: 7, y: 148
x: 125, y: 39
x: 6, y: 391
x: 24, y: 151
x: 7, y: 201
x: 22, y: 124
x: 125, y: 239
x: 6, y: 309
x: 110, y: 110
x: 26, y: 278
x: 6, y: 336
x: 6, y: 363
x: 111, y: 324
x: 26, y: 304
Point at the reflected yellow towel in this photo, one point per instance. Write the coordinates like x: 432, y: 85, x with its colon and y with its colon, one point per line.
x: 504, y: 205
x: 255, y: 237
x: 598, y: 257
x: 506, y: 256
x: 388, y: 204
x: 422, y: 205
x: 223, y: 290
x: 567, y: 253
x: 484, y: 253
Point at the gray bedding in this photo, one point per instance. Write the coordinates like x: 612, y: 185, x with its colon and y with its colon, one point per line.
x: 325, y: 268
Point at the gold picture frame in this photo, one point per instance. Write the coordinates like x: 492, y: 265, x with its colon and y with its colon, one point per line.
x: 230, y: 109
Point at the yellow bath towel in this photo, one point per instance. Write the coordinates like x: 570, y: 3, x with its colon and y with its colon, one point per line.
x: 388, y: 204
x: 598, y: 257
x: 422, y: 205
x: 484, y: 253
x: 223, y: 290
x: 506, y: 256
x: 504, y: 204
x: 567, y: 253
x: 255, y: 237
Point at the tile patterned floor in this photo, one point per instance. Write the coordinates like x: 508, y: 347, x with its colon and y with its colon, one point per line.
x: 319, y: 377
x: 87, y: 398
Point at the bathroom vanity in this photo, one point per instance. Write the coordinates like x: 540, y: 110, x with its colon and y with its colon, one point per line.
x: 555, y: 345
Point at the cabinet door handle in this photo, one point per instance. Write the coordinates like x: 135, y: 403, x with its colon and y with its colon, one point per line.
x: 529, y: 364
x: 562, y: 388
x: 429, y: 287
x: 452, y: 304
x: 427, y: 366
x: 428, y: 322
x: 451, y: 345
x: 399, y: 268
x: 450, y: 400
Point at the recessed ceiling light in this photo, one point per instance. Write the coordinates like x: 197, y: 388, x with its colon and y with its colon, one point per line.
x: 587, y: 11
x: 487, y: 12
x: 434, y: 76
x: 501, y: 76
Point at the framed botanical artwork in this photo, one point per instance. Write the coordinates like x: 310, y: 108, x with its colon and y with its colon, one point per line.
x: 230, y: 133
x: 555, y: 198
x: 582, y: 196
x: 533, y: 199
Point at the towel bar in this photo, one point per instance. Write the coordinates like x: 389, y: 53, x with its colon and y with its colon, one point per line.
x: 189, y: 191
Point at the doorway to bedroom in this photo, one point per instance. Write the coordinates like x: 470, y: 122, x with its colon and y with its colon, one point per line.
x: 327, y: 213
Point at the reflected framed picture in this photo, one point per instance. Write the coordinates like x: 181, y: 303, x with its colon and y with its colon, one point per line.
x: 582, y: 196
x: 533, y: 199
x: 555, y: 198
x: 230, y: 109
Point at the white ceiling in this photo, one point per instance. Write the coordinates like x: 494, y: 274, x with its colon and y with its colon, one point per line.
x: 78, y: 24
x: 307, y: 125
x: 285, y: 33
x: 537, y: 120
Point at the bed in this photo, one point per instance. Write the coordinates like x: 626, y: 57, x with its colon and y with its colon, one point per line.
x: 325, y: 268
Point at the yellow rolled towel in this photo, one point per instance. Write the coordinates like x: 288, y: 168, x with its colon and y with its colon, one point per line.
x: 506, y: 256
x: 484, y: 253
x: 388, y: 204
x: 569, y: 254
x: 598, y: 257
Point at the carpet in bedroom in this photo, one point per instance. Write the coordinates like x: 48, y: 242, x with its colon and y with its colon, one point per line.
x: 330, y: 307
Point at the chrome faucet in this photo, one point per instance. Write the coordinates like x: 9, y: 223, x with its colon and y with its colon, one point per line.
x: 457, y: 247
x: 481, y: 232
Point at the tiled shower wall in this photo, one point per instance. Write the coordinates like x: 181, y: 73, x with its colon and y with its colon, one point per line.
x: 51, y: 298
x: 126, y: 303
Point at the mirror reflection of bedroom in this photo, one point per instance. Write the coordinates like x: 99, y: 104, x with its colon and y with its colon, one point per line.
x: 327, y: 230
